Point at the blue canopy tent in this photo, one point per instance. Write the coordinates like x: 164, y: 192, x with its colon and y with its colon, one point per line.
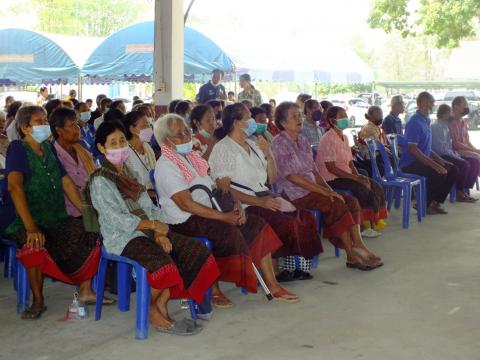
x: 27, y: 57
x: 127, y: 55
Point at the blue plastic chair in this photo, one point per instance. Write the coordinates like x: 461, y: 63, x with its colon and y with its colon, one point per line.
x: 124, y: 284
x: 395, y: 140
x: 14, y: 268
x: 391, y: 182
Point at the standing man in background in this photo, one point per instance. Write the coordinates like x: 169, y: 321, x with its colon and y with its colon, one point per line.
x: 213, y: 90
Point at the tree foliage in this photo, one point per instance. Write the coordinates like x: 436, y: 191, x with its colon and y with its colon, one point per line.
x: 447, y: 21
x: 84, y: 18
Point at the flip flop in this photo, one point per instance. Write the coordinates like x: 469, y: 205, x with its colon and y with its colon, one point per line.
x: 106, y: 301
x: 221, y: 301
x: 182, y: 328
x: 33, y: 314
x: 359, y: 266
x: 467, y: 199
x: 280, y: 295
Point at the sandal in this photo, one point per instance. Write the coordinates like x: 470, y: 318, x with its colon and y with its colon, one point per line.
x: 284, y: 295
x: 106, y: 301
x: 285, y: 276
x: 359, y: 266
x: 221, y: 301
x: 182, y: 328
x: 302, y: 275
x: 31, y: 313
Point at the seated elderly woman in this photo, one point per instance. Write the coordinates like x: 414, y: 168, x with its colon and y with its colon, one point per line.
x: 244, y: 168
x: 442, y: 145
x: 131, y: 226
x: 141, y: 159
x: 299, y: 180
x: 335, y: 164
x: 203, y: 124
x: 237, y: 240
x: 372, y: 130
x: 77, y: 162
x: 50, y: 242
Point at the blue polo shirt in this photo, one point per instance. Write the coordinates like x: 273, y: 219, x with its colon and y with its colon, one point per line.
x: 418, y: 132
x: 392, y: 124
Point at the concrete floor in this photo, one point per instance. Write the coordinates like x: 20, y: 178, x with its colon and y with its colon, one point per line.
x: 423, y: 304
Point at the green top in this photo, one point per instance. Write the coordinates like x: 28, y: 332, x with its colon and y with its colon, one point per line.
x: 44, y: 190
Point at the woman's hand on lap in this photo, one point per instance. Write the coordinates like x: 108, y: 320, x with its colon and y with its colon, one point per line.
x: 269, y: 202
x: 35, y: 239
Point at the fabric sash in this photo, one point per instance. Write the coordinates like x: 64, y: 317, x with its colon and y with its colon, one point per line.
x: 199, y: 164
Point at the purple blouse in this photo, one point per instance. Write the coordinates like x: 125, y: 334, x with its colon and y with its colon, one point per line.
x: 77, y: 172
x: 293, y: 158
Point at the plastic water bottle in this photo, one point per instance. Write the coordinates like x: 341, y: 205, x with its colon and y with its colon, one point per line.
x: 77, y: 309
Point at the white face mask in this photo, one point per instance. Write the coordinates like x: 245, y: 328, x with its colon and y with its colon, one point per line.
x: 145, y: 135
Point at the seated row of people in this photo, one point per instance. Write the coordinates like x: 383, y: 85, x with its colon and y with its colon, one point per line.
x: 266, y: 188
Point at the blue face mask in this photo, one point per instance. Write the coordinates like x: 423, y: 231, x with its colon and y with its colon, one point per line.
x: 184, y: 148
x: 251, y: 127
x: 204, y: 133
x: 317, y: 115
x: 41, y: 133
x: 85, y: 116
x: 261, y: 128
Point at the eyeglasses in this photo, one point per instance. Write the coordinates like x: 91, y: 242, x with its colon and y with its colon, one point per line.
x: 183, y: 134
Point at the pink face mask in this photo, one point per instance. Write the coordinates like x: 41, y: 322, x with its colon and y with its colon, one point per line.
x: 117, y: 156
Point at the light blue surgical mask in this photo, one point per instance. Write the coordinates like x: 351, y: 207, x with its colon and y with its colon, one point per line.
x: 261, y: 128
x: 85, y: 116
x: 41, y: 133
x: 204, y: 133
x: 251, y: 127
x: 184, y: 148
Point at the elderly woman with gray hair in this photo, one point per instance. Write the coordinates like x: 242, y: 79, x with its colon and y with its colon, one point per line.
x: 49, y: 241
x: 237, y: 240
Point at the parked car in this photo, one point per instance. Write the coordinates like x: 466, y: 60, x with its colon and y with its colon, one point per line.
x: 356, y: 109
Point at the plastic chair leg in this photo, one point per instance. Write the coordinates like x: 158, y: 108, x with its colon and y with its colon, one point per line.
x: 453, y: 194
x: 420, y: 204
x: 143, y: 303
x: 337, y: 252
x: 315, y: 262
x: 23, y: 288
x: 193, y: 311
x: 477, y: 185
x: 406, y: 206
x: 102, y: 270
x: 398, y: 197
x: 10, y: 259
x: 124, y: 285
x: 389, y: 197
x: 297, y: 262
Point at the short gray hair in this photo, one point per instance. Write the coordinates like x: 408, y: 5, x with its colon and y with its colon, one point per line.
x: 163, y: 126
x: 397, y: 99
x: 24, y: 114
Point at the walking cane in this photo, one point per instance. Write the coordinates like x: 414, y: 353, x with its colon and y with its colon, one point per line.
x: 214, y: 202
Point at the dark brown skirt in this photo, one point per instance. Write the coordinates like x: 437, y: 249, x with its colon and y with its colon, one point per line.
x: 297, y: 230
x: 372, y: 201
x: 188, y: 271
x: 338, y: 217
x: 70, y: 255
x: 234, y: 247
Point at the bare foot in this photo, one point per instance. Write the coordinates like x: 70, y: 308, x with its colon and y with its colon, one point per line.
x: 158, y: 320
x: 163, y: 310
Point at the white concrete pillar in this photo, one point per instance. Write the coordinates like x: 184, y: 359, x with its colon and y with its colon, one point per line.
x: 168, y: 53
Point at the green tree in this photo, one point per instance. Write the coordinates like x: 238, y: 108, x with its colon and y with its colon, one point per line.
x: 86, y: 17
x: 447, y: 21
